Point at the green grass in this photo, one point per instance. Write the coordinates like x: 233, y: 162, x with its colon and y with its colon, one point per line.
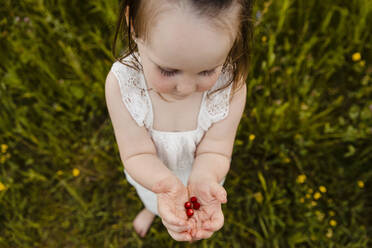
x: 309, y: 107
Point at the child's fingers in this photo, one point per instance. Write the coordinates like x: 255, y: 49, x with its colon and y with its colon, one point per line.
x: 168, y: 216
x: 176, y: 228
x: 215, y: 223
x: 184, y: 236
x: 203, y: 234
x: 219, y: 192
x: 194, y: 226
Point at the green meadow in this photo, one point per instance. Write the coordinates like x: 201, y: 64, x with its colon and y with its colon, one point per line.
x: 302, y: 162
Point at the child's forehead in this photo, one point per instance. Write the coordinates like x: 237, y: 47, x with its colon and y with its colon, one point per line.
x: 180, y: 15
x: 178, y: 38
x: 176, y: 33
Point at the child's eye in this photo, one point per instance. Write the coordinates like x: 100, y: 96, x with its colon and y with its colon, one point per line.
x: 207, y: 73
x: 172, y: 73
x: 167, y: 73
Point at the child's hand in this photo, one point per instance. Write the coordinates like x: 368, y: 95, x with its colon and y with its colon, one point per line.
x: 209, y: 216
x: 172, y: 195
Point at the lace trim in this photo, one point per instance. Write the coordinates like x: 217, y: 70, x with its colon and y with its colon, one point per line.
x: 132, y: 92
x: 217, y: 106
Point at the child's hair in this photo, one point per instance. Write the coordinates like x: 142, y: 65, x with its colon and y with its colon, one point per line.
x: 141, y: 15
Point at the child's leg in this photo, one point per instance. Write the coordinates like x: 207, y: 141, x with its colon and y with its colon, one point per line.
x: 143, y: 221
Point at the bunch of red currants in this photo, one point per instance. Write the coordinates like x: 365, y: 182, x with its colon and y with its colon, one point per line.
x: 190, y: 205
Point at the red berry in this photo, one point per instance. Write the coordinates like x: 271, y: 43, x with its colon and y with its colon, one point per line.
x: 187, y: 204
x: 189, y: 212
x: 196, y: 205
x: 193, y: 199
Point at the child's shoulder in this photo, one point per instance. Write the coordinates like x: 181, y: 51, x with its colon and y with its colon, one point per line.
x: 128, y: 72
x: 131, y: 88
x: 128, y: 63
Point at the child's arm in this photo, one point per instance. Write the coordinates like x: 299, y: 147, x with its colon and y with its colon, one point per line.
x: 137, y: 150
x: 212, y: 163
x: 213, y: 154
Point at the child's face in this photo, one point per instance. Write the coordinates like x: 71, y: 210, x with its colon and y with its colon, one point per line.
x: 189, y: 50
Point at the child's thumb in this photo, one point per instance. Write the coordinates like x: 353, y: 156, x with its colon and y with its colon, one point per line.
x: 219, y: 192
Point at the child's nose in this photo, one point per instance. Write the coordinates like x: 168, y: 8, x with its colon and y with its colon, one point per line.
x: 186, y: 88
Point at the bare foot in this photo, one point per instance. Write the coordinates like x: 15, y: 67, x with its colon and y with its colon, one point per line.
x: 143, y: 221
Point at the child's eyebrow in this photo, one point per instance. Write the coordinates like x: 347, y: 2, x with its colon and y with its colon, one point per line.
x: 172, y: 69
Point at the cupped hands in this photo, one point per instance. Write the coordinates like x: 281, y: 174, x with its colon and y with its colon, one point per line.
x: 172, y: 195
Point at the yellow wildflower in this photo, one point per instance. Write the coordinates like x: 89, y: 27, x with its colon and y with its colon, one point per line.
x: 331, y: 213
x: 75, y: 172
x: 313, y: 203
x: 251, y: 137
x: 258, y: 197
x: 59, y: 172
x: 317, y: 195
x: 302, y: 200
x: 329, y: 233
x: 264, y: 39
x: 362, y: 63
x: 361, y: 184
x: 238, y: 142
x: 322, y: 189
x: 308, y: 196
x: 57, y: 107
x: 356, y: 57
x: 287, y: 160
x: 4, y: 147
x: 310, y: 191
x: 332, y: 222
x: 301, y: 178
x: 2, y: 159
x: 2, y: 187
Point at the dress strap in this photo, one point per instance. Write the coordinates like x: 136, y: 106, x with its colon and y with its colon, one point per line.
x: 216, y: 107
x: 132, y: 90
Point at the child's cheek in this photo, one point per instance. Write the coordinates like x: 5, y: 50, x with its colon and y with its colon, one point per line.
x: 209, y: 84
x: 162, y: 86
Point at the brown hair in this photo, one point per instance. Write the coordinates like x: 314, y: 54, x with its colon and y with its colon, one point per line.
x: 238, y: 59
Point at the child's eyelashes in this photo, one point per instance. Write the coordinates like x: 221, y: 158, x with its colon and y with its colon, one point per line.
x: 167, y: 73
x: 172, y: 73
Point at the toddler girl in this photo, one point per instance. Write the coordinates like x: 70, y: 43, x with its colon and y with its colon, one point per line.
x: 175, y: 99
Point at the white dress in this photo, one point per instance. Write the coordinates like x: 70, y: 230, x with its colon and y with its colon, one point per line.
x: 175, y: 149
